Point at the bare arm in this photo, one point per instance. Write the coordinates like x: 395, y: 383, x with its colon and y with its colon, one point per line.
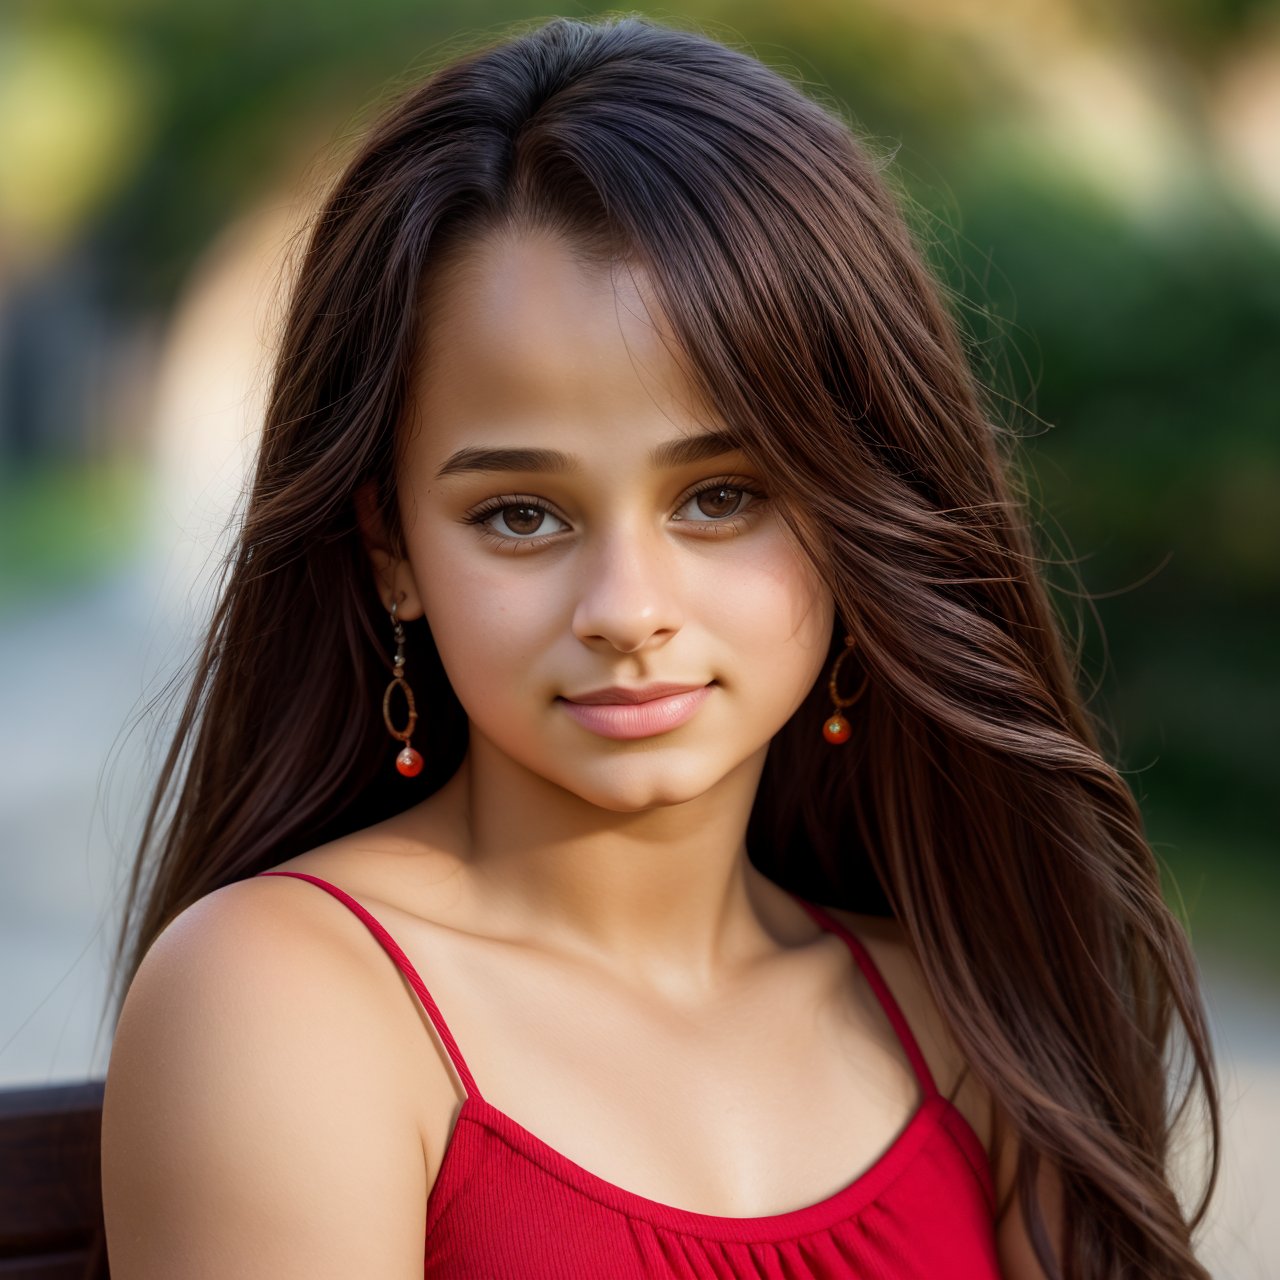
x: 253, y: 1123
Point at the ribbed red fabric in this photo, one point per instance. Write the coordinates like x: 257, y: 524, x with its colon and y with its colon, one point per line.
x: 506, y: 1206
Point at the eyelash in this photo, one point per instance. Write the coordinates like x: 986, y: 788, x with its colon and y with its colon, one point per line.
x: 732, y: 522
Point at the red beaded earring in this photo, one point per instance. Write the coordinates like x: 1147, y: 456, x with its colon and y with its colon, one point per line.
x: 408, y: 762
x: 836, y: 729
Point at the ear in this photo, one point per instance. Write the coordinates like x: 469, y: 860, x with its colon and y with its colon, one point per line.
x: 394, y: 574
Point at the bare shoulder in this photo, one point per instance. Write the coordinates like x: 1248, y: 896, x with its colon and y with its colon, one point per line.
x: 253, y: 1121
x: 886, y: 941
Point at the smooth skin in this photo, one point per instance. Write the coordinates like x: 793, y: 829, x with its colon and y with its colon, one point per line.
x: 619, y: 977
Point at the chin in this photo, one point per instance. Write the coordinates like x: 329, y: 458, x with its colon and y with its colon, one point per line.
x: 630, y: 787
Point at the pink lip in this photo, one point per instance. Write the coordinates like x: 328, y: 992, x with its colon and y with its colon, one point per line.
x: 620, y: 693
x: 638, y: 719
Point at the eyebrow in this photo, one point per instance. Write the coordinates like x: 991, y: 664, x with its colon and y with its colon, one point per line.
x: 680, y: 452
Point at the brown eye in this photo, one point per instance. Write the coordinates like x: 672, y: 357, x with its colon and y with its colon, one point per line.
x: 720, y: 501
x: 514, y: 520
x: 526, y: 520
x: 719, y: 506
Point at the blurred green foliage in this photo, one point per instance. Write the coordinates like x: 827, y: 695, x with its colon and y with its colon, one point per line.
x: 63, y: 523
x: 1155, y: 464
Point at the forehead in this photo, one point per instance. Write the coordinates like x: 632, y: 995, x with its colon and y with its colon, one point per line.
x: 522, y: 342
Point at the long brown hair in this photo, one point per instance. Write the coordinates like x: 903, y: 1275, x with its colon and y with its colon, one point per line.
x: 973, y: 802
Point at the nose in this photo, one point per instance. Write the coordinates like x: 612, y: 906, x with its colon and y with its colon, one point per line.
x: 629, y: 595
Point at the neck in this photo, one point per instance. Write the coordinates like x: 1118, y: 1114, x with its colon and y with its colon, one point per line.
x: 666, y: 894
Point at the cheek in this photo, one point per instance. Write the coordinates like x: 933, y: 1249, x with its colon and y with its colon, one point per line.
x: 774, y: 610
x: 489, y: 622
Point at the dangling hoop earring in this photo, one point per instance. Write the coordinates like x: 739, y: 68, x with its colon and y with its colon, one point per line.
x: 408, y: 761
x: 836, y: 729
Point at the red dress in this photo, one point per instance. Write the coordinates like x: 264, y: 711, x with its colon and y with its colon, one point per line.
x: 506, y: 1206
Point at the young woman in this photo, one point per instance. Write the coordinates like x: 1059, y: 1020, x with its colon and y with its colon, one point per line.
x: 635, y: 814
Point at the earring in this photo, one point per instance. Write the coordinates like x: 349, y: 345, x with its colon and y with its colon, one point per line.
x: 836, y: 729
x: 408, y: 762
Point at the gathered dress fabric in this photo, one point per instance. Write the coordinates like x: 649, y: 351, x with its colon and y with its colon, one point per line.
x: 507, y: 1206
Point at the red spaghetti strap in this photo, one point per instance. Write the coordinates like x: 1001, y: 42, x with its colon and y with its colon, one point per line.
x: 883, y: 994
x: 405, y: 966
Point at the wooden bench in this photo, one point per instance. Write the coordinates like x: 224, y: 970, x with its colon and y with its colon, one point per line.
x: 50, y: 1183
